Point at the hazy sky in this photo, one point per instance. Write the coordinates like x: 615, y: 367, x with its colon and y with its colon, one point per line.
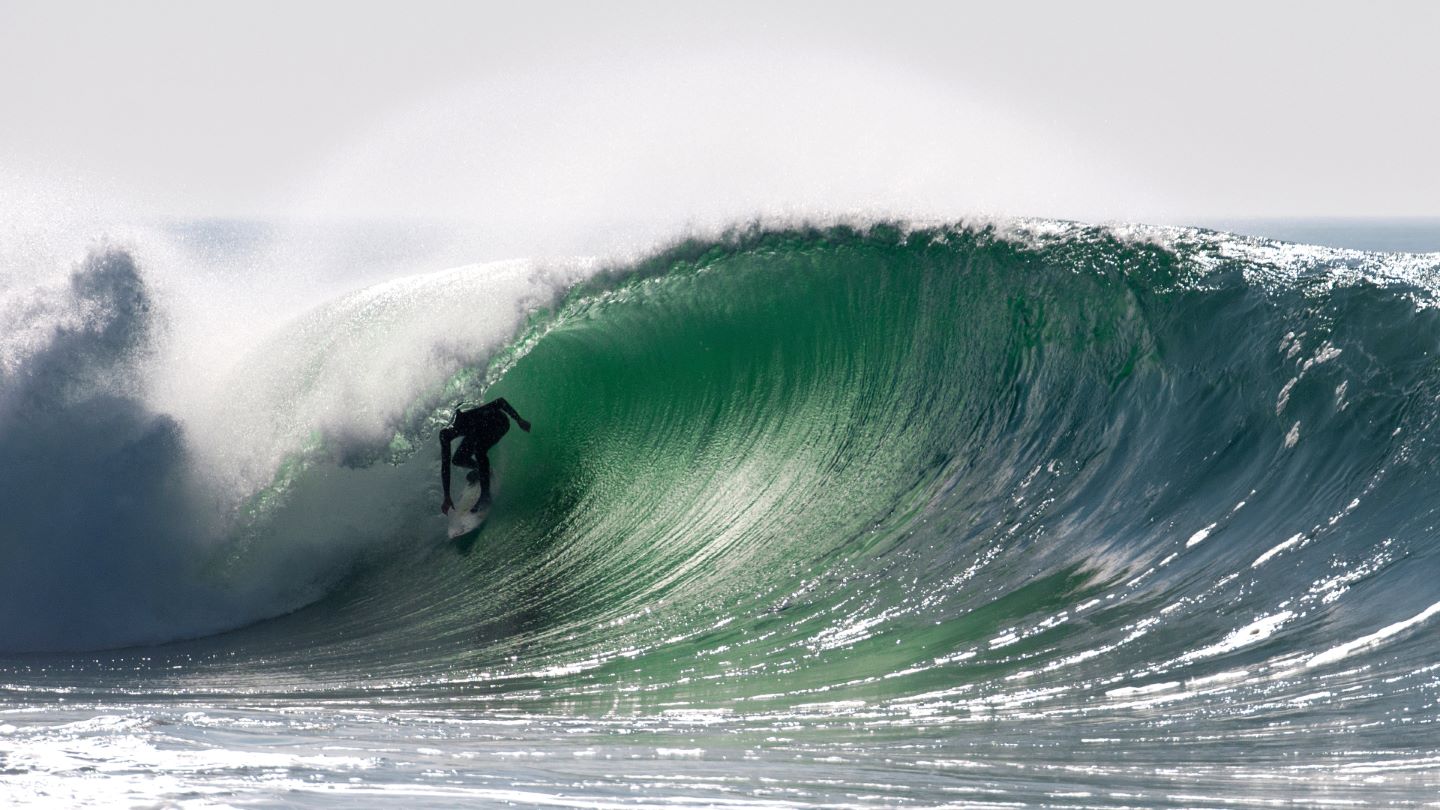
x: 566, y: 113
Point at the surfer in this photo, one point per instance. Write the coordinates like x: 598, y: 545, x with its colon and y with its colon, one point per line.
x: 480, y: 428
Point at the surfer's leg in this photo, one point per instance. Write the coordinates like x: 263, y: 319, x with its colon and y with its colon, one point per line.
x: 481, y: 453
x: 482, y: 470
x: 465, y: 456
x: 482, y: 474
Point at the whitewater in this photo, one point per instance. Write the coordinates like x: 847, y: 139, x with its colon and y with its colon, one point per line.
x: 839, y: 514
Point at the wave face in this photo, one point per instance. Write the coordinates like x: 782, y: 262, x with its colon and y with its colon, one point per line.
x: 1152, y: 491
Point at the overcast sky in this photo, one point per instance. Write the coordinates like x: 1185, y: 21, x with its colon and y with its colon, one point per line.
x: 689, y: 112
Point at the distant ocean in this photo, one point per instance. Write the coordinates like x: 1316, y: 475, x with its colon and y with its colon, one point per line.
x: 1016, y: 513
x: 1412, y: 235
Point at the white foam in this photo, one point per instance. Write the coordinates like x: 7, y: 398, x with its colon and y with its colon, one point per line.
x: 1263, y: 558
x: 1343, y: 651
x: 1199, y: 537
x: 1252, y: 633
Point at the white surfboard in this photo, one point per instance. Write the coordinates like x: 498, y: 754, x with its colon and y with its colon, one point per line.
x: 462, y: 519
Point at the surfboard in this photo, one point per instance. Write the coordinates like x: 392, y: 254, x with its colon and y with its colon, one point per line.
x: 463, y: 521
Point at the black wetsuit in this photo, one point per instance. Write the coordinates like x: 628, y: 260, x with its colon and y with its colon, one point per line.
x: 479, y: 428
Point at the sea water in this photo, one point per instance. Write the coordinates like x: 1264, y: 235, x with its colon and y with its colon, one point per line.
x: 1004, y: 513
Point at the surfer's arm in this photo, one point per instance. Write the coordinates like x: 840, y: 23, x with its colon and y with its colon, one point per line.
x: 506, y: 407
x: 446, y: 436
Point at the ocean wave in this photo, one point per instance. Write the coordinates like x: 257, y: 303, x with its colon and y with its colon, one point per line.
x: 931, y: 468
